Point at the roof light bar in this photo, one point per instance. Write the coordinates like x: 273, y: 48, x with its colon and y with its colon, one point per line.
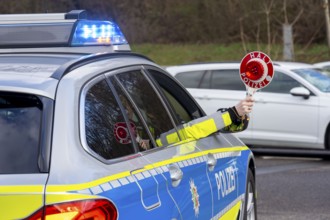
x: 71, y: 30
x: 97, y: 33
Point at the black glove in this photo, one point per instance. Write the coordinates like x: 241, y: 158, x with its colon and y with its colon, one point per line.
x: 239, y: 123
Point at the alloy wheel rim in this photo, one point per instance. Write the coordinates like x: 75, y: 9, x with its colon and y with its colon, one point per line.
x: 250, y: 203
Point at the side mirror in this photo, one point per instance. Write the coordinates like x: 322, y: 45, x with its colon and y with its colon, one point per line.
x: 300, y: 91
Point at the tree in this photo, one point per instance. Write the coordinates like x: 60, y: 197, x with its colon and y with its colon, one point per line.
x: 327, y: 20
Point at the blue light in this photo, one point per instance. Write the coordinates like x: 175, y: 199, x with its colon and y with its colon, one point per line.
x: 97, y: 33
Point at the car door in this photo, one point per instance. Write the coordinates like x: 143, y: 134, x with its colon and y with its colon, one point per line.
x: 209, y: 154
x: 184, y: 174
x: 280, y: 118
x: 113, y: 118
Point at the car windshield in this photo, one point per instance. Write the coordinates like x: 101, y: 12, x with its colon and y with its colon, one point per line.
x: 20, y: 119
x: 316, y: 78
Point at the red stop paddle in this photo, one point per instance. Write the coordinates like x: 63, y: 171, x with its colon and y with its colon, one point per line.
x: 256, y: 71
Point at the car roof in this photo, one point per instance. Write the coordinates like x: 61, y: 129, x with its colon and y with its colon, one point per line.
x: 293, y: 65
x: 201, y: 66
x: 31, y: 73
x: 322, y: 64
x: 235, y: 65
x: 40, y: 73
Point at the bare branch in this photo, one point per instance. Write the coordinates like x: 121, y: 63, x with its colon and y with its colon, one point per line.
x: 242, y: 35
x: 298, y: 16
x: 286, y: 21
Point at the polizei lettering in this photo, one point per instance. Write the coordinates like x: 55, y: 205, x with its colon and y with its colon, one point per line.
x: 226, y: 181
x: 253, y: 84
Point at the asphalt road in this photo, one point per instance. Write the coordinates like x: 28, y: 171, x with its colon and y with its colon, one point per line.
x: 293, y: 188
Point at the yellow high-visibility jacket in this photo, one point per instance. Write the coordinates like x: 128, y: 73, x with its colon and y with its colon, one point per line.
x: 224, y: 120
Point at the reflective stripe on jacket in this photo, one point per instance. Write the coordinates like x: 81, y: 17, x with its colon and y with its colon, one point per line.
x: 196, y: 129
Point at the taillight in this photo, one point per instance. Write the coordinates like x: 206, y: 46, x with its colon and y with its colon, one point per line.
x: 98, y: 209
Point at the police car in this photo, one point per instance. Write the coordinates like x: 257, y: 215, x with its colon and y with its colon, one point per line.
x: 81, y: 120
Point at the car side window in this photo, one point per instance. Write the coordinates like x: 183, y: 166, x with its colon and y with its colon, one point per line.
x: 206, y: 80
x: 184, y: 106
x: 181, y: 113
x: 281, y: 83
x: 138, y: 128
x: 105, y: 127
x: 226, y: 79
x: 190, y: 79
x: 147, y: 101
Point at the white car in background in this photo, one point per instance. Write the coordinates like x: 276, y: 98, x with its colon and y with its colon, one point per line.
x: 293, y: 111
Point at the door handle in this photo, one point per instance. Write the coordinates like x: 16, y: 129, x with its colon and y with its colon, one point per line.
x: 211, y: 161
x: 176, y: 174
x: 149, y: 198
x: 202, y: 97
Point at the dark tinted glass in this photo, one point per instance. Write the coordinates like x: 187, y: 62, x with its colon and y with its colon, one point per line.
x: 138, y: 129
x: 184, y: 107
x: 227, y: 79
x: 180, y: 112
x: 190, y: 79
x: 281, y: 83
x: 20, y: 123
x: 147, y: 102
x: 106, y: 129
x: 206, y: 80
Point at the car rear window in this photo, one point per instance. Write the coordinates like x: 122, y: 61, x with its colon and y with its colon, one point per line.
x: 20, y: 128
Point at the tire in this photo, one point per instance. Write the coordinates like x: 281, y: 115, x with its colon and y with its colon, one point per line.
x: 327, y: 140
x: 250, y: 201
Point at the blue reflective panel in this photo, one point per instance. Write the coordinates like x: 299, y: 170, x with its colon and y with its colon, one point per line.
x: 97, y: 33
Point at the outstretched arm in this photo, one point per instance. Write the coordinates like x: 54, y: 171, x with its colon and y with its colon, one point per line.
x: 226, y: 119
x: 239, y: 115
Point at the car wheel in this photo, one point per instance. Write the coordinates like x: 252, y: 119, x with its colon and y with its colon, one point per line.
x: 250, y: 205
x: 327, y: 140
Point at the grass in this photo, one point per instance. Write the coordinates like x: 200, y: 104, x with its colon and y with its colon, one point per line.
x: 174, y: 54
